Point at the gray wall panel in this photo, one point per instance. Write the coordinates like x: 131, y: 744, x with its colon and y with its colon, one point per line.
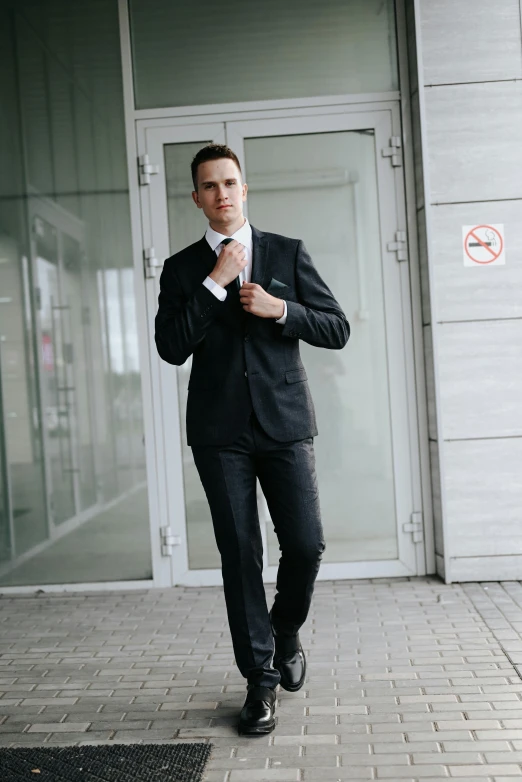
x: 484, y: 497
x: 506, y: 568
x: 472, y: 115
x: 480, y: 371
x: 470, y: 40
x: 480, y: 292
x: 474, y: 151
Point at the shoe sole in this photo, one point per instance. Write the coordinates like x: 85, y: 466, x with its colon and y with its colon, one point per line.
x: 293, y: 687
x: 246, y: 730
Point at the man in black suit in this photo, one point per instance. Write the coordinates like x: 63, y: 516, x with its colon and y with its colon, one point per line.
x: 239, y: 300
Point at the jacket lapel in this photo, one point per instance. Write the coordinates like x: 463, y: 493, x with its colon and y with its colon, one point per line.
x: 259, y: 258
x: 208, y: 255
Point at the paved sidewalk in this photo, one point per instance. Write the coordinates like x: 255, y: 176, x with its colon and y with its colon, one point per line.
x: 409, y: 679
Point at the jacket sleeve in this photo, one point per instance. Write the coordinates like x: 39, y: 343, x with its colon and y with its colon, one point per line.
x: 317, y: 318
x: 181, y: 323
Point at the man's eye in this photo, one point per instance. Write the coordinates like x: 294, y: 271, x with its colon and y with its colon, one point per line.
x: 231, y: 183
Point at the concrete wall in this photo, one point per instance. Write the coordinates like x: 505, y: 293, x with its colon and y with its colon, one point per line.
x: 466, y: 60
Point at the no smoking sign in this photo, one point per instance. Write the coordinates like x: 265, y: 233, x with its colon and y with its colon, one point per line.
x: 483, y: 245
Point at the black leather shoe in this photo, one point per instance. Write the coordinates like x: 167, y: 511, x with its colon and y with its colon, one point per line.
x: 257, y: 715
x: 290, y: 661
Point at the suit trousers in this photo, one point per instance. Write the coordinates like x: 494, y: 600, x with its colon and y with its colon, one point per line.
x: 286, y: 473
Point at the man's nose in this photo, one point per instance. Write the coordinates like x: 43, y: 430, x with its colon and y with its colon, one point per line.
x: 222, y: 193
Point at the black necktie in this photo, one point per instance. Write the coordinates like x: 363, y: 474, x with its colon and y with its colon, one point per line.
x: 236, y: 282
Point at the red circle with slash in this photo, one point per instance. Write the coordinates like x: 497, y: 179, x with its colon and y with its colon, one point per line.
x: 494, y: 254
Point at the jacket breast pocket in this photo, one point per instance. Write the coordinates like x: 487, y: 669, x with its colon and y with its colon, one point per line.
x: 295, y: 375
x: 278, y: 289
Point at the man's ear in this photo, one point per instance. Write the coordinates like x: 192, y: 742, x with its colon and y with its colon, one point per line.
x: 245, y: 190
x: 195, y: 198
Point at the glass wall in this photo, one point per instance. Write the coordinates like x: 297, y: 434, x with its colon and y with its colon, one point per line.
x: 235, y: 51
x: 73, y: 494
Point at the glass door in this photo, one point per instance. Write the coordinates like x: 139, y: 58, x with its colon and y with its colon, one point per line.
x: 325, y: 180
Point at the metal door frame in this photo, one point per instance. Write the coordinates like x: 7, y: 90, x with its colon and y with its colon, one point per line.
x: 152, y: 135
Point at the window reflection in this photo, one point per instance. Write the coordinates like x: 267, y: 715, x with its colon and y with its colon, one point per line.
x: 73, y: 496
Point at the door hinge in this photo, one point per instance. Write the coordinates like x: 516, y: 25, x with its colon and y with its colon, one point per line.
x: 415, y: 526
x: 146, y: 168
x: 150, y: 262
x: 394, y: 151
x: 399, y: 246
x: 168, y: 540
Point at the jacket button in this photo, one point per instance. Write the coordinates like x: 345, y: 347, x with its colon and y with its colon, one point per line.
x: 246, y: 374
x: 247, y: 337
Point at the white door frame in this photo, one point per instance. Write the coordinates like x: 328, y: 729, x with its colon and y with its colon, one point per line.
x: 152, y: 135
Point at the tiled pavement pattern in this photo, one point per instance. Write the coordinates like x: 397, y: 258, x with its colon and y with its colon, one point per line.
x: 409, y: 679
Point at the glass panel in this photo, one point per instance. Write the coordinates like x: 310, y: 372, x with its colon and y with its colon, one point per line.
x: 322, y: 188
x: 24, y: 504
x: 236, y: 51
x: 186, y: 225
x: 56, y: 388
x: 72, y: 437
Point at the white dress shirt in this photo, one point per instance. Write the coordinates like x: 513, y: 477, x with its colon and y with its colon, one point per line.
x: 244, y: 236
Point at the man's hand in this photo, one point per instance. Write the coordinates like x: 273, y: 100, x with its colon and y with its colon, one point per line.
x: 232, y: 260
x: 256, y: 300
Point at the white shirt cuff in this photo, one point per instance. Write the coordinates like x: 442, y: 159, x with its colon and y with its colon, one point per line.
x: 282, y: 319
x: 219, y: 292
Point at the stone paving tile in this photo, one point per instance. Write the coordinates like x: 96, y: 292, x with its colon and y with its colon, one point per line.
x: 408, y: 679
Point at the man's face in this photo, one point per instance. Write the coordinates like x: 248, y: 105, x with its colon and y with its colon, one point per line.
x: 220, y: 193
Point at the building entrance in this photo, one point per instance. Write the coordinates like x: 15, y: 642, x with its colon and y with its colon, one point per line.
x: 332, y: 177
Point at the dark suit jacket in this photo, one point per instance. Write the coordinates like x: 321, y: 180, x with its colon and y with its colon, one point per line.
x: 243, y: 362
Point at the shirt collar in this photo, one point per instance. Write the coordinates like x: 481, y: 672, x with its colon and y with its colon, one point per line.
x: 242, y: 235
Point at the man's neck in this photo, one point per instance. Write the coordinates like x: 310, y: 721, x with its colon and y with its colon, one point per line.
x: 228, y: 230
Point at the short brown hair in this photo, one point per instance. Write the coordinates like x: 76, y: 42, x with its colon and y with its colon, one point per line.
x: 211, y: 152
